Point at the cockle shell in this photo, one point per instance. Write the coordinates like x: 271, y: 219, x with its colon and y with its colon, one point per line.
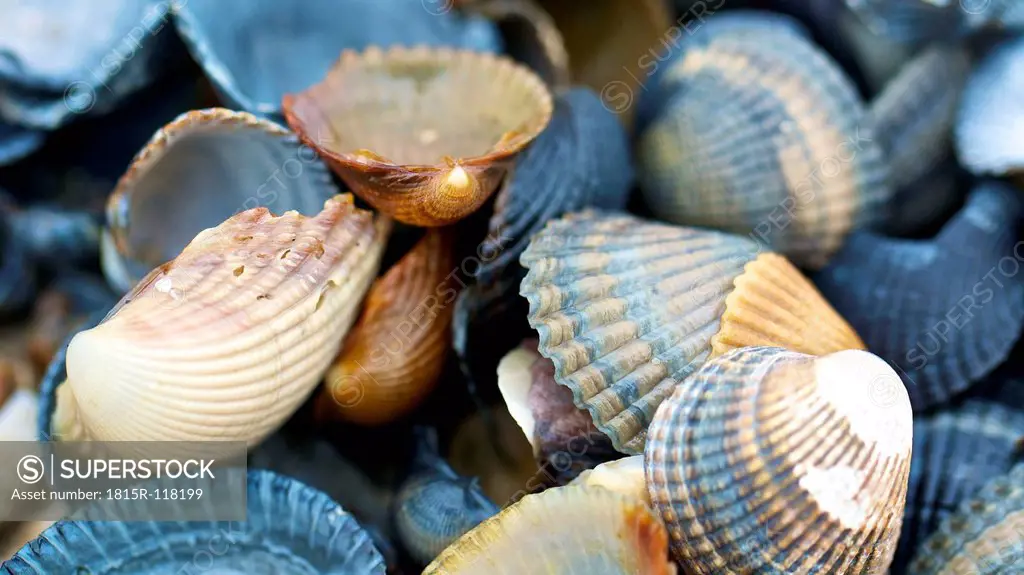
x: 945, y: 311
x: 290, y: 528
x: 984, y: 537
x: 393, y: 357
x: 625, y: 476
x: 194, y: 173
x: 988, y: 126
x: 758, y: 131
x: 769, y: 461
x: 255, y: 52
x: 567, y: 530
x: 228, y: 339
x: 627, y: 309
x: 16, y: 142
x: 425, y: 135
x: 956, y: 451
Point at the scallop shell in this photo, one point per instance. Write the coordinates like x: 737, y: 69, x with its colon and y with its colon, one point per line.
x: 774, y: 462
x: 625, y: 476
x: 983, y: 537
x: 166, y: 196
x: 16, y: 142
x: 585, y: 530
x: 393, y: 357
x: 238, y: 329
x: 758, y: 131
x: 626, y: 309
x: 425, y: 135
x: 289, y: 525
x: 987, y: 133
x: 255, y: 52
x: 955, y: 452
x: 945, y: 311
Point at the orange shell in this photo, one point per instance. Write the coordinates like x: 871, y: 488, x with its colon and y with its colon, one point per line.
x: 391, y: 360
x: 424, y: 135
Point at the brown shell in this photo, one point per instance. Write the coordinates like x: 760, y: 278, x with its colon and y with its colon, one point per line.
x: 394, y: 355
x: 424, y: 135
x: 490, y: 445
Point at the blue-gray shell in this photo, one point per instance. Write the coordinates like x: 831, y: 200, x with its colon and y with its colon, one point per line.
x: 57, y: 372
x: 16, y: 142
x: 945, y: 311
x: 290, y: 528
x: 922, y: 20
x: 988, y: 134
x: 256, y: 51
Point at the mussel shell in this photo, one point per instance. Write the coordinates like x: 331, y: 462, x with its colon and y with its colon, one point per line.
x: 984, y: 537
x: 945, y: 311
x: 774, y: 462
x: 290, y: 528
x: 987, y: 131
x: 16, y: 142
x: 758, y: 131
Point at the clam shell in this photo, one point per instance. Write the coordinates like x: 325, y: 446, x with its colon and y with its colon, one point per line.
x: 983, y: 537
x: 626, y: 309
x: 987, y: 133
x: 585, y: 530
x: 625, y: 476
x: 16, y: 142
x: 228, y: 339
x: 194, y: 173
x: 424, y: 135
x: 256, y: 52
x: 956, y: 451
x: 760, y: 132
x: 289, y: 525
x: 775, y: 462
x: 945, y: 311
x: 393, y: 357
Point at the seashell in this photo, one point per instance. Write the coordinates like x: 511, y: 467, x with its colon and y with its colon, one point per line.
x: 240, y: 327
x: 770, y: 102
x: 376, y: 120
x: 478, y: 345
x: 54, y: 236
x: 289, y: 526
x: 586, y: 530
x: 59, y: 63
x: 255, y: 73
x: 562, y: 435
x: 983, y: 537
x: 924, y: 205
x: 987, y: 141
x: 18, y: 408
x: 14, y: 536
x: 878, y: 57
x: 17, y: 274
x: 627, y: 308
x: 393, y: 357
x: 16, y: 142
x: 490, y: 445
x: 56, y: 374
x: 945, y: 311
x: 436, y: 506
x: 955, y: 452
x: 769, y: 461
x: 164, y: 200
x: 625, y: 476
x: 921, y: 20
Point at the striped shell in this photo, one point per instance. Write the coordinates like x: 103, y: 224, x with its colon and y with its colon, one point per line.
x: 945, y: 311
x: 984, y: 537
x: 757, y: 131
x: 189, y: 177
x: 988, y: 131
x: 626, y: 309
x: 229, y: 338
x: 425, y: 135
x: 256, y: 51
x: 290, y: 528
x: 774, y: 462
x: 393, y: 357
x: 565, y: 530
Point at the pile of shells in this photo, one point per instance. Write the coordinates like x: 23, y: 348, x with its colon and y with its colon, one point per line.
x: 517, y: 286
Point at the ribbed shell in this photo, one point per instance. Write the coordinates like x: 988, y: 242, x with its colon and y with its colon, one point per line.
x: 988, y: 132
x: 194, y: 173
x: 758, y: 131
x: 956, y: 451
x: 256, y: 51
x: 945, y: 311
x: 983, y: 537
x: 56, y: 374
x: 566, y: 531
x: 625, y: 476
x: 774, y: 462
x: 290, y: 528
x: 228, y: 339
x: 16, y: 142
x: 626, y: 309
x: 424, y: 135
x: 393, y: 357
